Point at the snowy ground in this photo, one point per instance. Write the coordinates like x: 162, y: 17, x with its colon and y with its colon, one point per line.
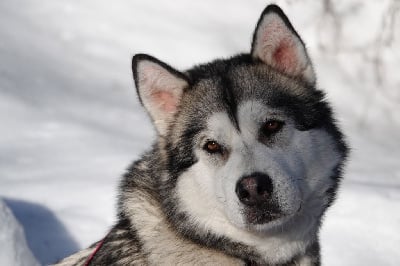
x: 14, y: 249
x: 71, y: 123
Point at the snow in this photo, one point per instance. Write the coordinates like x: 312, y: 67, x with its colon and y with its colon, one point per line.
x: 71, y: 122
x: 14, y: 250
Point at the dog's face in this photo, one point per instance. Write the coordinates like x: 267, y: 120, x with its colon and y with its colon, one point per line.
x: 248, y: 142
x: 251, y: 150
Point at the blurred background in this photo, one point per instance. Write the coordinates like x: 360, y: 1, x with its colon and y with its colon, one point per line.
x: 70, y: 121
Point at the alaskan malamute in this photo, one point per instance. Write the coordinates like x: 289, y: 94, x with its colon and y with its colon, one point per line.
x: 247, y: 159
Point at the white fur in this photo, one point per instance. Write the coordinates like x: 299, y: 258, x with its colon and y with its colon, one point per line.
x: 162, y: 245
x: 299, y: 164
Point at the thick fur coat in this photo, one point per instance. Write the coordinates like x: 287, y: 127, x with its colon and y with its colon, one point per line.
x: 247, y: 159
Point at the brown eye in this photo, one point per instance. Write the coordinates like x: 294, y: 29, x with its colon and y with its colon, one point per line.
x: 212, y: 147
x: 272, y: 126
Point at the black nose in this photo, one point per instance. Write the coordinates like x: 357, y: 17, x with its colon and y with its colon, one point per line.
x: 254, y: 189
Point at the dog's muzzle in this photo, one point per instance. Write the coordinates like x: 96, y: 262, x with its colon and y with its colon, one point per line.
x: 255, y: 189
x: 255, y: 193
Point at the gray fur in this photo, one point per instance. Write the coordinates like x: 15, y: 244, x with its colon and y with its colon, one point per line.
x: 156, y: 226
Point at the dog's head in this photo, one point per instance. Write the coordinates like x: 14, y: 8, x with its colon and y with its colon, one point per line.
x: 248, y: 143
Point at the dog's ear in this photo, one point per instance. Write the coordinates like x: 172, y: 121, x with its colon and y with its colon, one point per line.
x: 276, y: 43
x: 160, y: 88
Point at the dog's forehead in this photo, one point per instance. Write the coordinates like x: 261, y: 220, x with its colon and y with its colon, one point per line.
x: 261, y: 82
x: 224, y: 85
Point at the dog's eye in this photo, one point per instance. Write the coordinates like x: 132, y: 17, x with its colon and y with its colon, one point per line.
x: 272, y: 126
x: 212, y: 147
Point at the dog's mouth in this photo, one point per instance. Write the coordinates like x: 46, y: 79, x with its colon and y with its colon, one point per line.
x: 262, y: 214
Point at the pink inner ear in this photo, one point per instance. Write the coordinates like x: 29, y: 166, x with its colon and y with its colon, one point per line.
x: 279, y: 47
x: 165, y: 100
x: 284, y: 56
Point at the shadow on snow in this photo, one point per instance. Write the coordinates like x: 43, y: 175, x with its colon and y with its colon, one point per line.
x: 47, y: 237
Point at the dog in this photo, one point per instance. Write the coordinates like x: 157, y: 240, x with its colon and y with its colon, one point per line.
x: 247, y: 159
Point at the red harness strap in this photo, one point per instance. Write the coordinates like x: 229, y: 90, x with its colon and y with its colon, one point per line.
x: 90, y: 258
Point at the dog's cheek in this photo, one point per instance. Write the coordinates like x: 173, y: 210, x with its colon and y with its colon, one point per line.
x: 227, y: 178
x: 204, y: 176
x: 196, y: 195
x: 196, y: 187
x: 283, y: 166
x: 320, y: 158
x: 229, y: 199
